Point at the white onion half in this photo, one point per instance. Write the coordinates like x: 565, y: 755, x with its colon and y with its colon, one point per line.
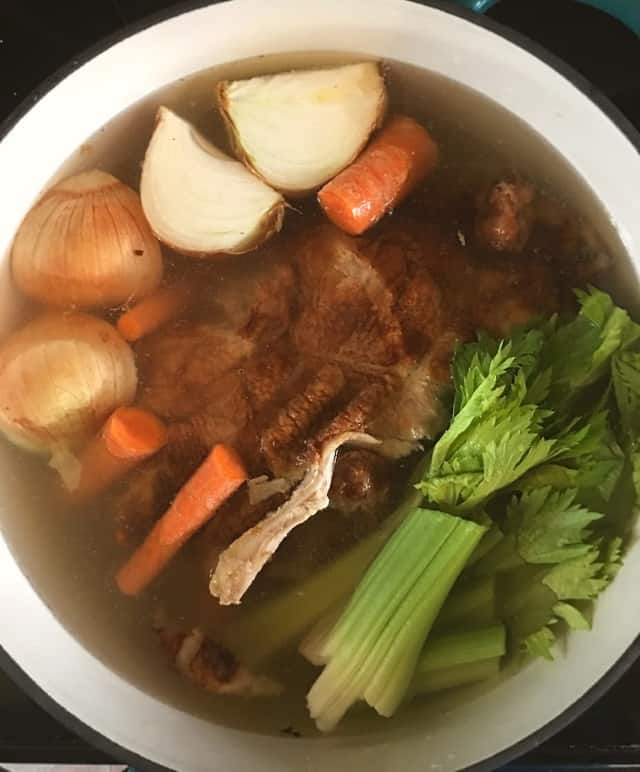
x: 198, y: 200
x: 299, y: 129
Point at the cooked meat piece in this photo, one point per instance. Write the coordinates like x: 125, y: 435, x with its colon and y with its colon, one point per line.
x: 361, y: 481
x: 269, y: 377
x: 505, y: 216
x: 240, y: 563
x: 417, y: 409
x: 254, y: 296
x: 181, y: 366
x: 237, y: 515
x: 421, y: 314
x: 354, y: 418
x: 375, y: 324
x: 346, y: 308
x: 509, y: 295
x: 212, y: 667
x: 292, y: 423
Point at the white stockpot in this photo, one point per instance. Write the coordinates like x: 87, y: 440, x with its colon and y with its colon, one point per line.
x: 490, y: 727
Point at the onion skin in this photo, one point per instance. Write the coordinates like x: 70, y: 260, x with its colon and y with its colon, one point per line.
x: 86, y: 244
x: 61, y: 376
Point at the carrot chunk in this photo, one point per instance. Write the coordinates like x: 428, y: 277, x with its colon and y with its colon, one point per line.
x: 153, y: 312
x: 130, y: 435
x: 397, y: 160
x: 220, y: 475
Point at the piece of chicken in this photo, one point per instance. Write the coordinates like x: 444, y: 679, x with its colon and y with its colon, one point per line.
x: 212, y: 667
x: 513, y: 216
x: 240, y: 563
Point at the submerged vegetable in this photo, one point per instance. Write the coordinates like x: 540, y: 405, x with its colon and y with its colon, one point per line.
x: 198, y: 200
x: 372, y: 651
x: 130, y: 435
x: 395, y: 162
x: 217, y: 478
x: 61, y: 375
x: 153, y: 312
x: 276, y: 622
x: 299, y: 129
x: 86, y: 243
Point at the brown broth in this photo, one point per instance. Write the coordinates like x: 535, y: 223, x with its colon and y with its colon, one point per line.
x: 71, y: 557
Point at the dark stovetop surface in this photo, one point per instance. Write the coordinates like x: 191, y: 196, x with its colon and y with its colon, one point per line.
x: 37, y: 36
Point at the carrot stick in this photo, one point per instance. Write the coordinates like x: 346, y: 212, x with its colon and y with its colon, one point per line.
x: 397, y: 160
x: 153, y: 312
x: 130, y: 435
x: 214, y: 481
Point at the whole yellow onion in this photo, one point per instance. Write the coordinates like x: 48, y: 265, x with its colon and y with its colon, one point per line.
x: 86, y: 244
x: 61, y: 375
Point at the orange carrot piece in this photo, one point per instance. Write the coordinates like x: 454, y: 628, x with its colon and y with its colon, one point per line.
x: 132, y: 432
x: 395, y: 161
x: 153, y: 312
x: 130, y: 435
x: 220, y: 475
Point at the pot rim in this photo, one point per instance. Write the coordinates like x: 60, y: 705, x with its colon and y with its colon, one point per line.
x: 21, y: 678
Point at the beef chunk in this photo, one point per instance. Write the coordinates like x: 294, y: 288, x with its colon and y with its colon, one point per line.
x: 505, y: 216
x: 361, y: 481
x: 346, y: 308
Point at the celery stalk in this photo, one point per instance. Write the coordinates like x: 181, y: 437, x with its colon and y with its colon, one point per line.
x: 404, y: 639
x: 453, y: 677
x: 472, y: 604
x: 278, y: 622
x: 491, y: 538
x: 458, y: 659
x: 373, y: 648
x: 447, y: 651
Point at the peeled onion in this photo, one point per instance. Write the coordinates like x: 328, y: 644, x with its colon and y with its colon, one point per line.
x: 86, y: 243
x: 298, y: 129
x: 198, y: 200
x: 60, y: 377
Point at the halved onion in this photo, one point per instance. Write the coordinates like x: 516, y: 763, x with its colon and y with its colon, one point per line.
x: 198, y: 200
x: 61, y: 375
x: 299, y: 129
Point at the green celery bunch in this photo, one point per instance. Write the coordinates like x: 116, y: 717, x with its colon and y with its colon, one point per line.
x: 537, y: 440
x: 372, y: 650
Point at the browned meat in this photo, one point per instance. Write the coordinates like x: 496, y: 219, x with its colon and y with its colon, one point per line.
x: 417, y: 409
x: 506, y: 215
x: 180, y: 368
x: 212, y: 667
x: 353, y: 418
x: 254, y: 296
x: 364, y: 346
x: 515, y: 217
x: 281, y: 441
x: 346, y: 308
x: 361, y: 481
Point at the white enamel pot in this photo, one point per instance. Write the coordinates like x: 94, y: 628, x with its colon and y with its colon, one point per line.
x: 37, y: 649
